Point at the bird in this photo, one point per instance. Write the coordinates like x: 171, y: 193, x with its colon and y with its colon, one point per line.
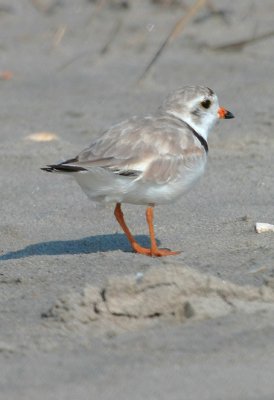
x: 149, y: 160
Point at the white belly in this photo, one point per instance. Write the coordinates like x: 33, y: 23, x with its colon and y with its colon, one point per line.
x: 104, y: 186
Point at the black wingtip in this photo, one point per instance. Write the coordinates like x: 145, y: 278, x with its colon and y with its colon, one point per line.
x: 62, y: 168
x: 48, y: 168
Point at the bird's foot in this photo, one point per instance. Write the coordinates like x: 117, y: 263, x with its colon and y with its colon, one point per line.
x: 163, y: 252
x: 153, y: 252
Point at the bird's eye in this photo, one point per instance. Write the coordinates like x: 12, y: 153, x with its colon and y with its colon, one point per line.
x: 206, y: 103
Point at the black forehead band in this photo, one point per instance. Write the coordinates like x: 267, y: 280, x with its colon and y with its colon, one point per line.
x: 210, y: 91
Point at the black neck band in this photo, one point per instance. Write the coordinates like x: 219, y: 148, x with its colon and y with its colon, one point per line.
x: 202, y: 140
x: 198, y: 136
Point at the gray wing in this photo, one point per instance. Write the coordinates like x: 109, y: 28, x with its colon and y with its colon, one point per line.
x: 154, y: 148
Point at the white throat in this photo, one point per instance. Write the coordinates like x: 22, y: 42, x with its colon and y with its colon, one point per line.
x: 202, y: 129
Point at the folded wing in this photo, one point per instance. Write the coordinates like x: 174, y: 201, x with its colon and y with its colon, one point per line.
x: 151, y: 149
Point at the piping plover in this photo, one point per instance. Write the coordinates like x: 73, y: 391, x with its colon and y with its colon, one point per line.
x: 149, y: 160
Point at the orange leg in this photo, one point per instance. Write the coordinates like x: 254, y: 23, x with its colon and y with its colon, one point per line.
x: 120, y: 218
x: 153, y: 251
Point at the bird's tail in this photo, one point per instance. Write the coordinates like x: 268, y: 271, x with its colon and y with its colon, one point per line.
x: 62, y: 168
x: 66, y: 166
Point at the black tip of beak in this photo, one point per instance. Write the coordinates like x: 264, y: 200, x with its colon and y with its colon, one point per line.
x: 229, y: 115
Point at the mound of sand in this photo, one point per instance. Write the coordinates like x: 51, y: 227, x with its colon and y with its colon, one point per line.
x: 175, y: 293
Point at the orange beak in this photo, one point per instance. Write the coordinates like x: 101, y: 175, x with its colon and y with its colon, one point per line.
x: 224, y: 114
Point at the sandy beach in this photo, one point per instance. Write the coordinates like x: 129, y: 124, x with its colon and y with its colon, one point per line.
x: 82, y: 317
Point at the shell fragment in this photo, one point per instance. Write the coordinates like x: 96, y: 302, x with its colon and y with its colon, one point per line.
x: 262, y: 227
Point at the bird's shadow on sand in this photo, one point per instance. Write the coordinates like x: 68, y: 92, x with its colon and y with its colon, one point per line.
x: 90, y: 244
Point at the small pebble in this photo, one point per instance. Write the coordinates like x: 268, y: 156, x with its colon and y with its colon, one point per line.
x: 139, y: 277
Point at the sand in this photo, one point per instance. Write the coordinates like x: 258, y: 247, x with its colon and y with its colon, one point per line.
x: 81, y: 315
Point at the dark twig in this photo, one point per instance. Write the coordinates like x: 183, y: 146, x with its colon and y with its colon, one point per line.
x: 237, y: 46
x: 112, y: 37
x: 175, y: 32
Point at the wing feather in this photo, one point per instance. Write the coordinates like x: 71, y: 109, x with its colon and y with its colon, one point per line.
x: 150, y: 148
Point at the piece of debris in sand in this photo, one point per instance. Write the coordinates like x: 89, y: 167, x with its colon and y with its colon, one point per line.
x: 262, y: 227
x: 6, y: 75
x: 42, y: 137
